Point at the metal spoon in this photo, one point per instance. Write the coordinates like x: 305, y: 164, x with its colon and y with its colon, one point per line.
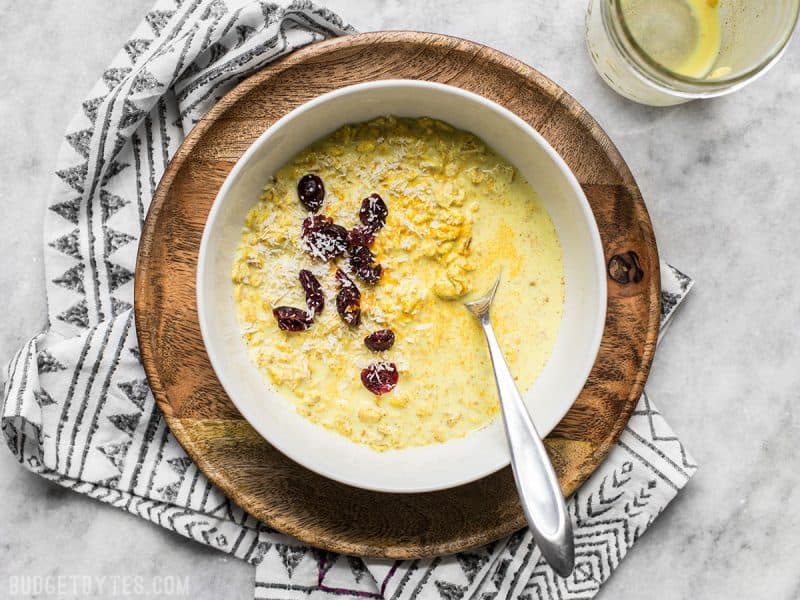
x: 536, y: 480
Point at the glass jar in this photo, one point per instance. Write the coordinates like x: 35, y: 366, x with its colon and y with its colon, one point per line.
x: 753, y: 35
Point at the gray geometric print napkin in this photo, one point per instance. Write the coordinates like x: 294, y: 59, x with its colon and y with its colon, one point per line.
x: 77, y: 409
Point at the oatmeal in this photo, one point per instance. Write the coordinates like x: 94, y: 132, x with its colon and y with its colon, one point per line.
x: 351, y: 271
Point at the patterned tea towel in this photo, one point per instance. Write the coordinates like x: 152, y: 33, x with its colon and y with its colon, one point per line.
x: 77, y: 408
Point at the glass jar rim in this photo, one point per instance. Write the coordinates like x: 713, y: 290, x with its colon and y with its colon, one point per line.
x: 621, y: 35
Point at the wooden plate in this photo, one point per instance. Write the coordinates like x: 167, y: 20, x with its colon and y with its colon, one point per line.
x: 264, y: 482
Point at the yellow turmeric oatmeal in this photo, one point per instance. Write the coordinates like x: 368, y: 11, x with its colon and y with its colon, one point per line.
x: 390, y: 224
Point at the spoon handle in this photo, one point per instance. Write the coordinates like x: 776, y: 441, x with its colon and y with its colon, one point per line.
x: 539, y: 490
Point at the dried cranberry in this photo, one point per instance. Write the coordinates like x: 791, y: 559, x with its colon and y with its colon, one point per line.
x: 370, y: 274
x: 313, y: 223
x: 322, y: 238
x: 380, y: 377
x: 360, y: 235
x: 373, y: 212
x: 380, y: 340
x: 343, y: 280
x: 362, y: 262
x: 348, y: 300
x: 292, y: 319
x: 315, y: 298
x: 311, y: 192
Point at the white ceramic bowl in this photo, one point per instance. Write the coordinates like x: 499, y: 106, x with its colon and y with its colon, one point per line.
x: 432, y: 467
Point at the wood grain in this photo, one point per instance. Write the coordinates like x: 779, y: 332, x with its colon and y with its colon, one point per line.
x: 276, y: 490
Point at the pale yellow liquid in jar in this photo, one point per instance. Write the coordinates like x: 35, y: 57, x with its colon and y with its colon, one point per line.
x: 682, y: 35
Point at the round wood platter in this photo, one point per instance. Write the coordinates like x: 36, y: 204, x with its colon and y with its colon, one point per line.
x: 227, y: 449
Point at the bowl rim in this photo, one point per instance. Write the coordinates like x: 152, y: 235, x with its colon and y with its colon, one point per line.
x: 253, y: 149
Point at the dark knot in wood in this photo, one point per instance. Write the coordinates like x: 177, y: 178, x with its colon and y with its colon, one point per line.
x: 625, y: 268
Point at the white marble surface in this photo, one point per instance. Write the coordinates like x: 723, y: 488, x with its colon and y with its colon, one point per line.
x: 720, y: 179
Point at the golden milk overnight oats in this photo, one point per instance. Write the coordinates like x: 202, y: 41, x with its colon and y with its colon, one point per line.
x: 351, y: 268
